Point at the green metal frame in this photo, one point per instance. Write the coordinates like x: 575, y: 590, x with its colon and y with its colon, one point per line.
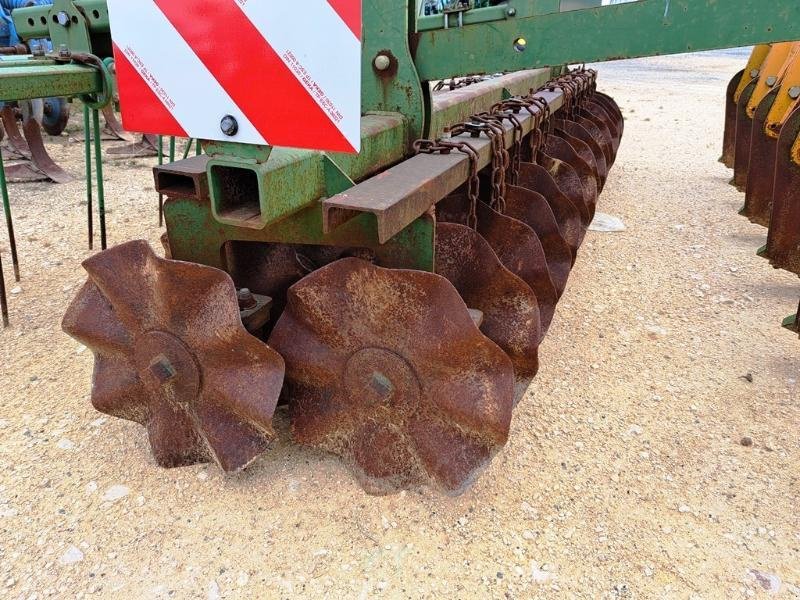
x: 643, y: 28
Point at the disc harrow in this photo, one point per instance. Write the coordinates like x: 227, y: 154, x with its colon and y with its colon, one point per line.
x: 767, y: 153
x: 409, y: 376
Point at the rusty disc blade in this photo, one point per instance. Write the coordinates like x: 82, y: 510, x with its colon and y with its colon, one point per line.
x: 515, y: 244
x: 729, y: 134
x: 561, y: 150
x: 536, y: 178
x: 568, y: 182
x: 387, y: 369
x: 532, y: 209
x: 613, y: 109
x: 600, y: 114
x: 583, y: 150
x: 761, y: 170
x: 40, y: 158
x: 578, y: 131
x: 744, y: 128
x: 783, y: 239
x: 509, y: 307
x: 172, y: 354
x: 600, y: 132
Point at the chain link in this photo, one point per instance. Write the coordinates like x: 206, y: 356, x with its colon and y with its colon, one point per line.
x: 492, y: 125
x: 473, y: 182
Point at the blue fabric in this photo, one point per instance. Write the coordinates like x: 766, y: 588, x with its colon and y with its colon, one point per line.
x: 8, y: 34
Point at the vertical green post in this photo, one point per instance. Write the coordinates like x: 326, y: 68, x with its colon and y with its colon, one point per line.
x: 198, y: 148
x: 12, y: 242
x: 172, y: 148
x: 98, y: 159
x: 3, y: 299
x: 187, y: 148
x: 87, y: 146
x: 160, y: 196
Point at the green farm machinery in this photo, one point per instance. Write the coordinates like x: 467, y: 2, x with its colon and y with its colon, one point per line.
x: 394, y: 298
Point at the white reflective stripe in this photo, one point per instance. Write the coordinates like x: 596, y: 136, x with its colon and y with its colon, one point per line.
x: 322, y: 43
x: 181, y: 81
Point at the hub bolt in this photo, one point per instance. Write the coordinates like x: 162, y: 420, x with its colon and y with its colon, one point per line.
x: 63, y: 19
x: 794, y: 92
x: 229, y: 125
x: 511, y: 12
x: 754, y: 73
x: 246, y: 299
x: 382, y: 62
x: 162, y: 369
x: 771, y: 80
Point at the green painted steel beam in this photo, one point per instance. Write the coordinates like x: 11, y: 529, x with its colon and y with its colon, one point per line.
x: 22, y: 80
x: 644, y: 28
x: 37, y: 21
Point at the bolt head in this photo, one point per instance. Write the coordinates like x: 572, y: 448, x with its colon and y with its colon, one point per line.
x: 382, y: 62
x: 63, y: 19
x: 511, y: 12
x: 63, y: 51
x: 772, y: 80
x: 229, y: 125
x: 754, y: 74
x: 162, y: 369
x: 794, y: 92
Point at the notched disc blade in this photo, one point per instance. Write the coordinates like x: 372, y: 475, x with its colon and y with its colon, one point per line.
x: 515, y: 244
x: 172, y: 354
x: 569, y: 183
x: 536, y: 178
x: 509, y: 306
x: 532, y: 209
x: 377, y: 359
x: 562, y: 150
x: 585, y: 153
x: 579, y: 131
x: 600, y: 133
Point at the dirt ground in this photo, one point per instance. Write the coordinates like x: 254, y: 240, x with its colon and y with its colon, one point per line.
x: 625, y: 475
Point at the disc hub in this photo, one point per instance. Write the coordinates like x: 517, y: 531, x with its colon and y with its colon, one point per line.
x: 377, y: 377
x: 166, y: 367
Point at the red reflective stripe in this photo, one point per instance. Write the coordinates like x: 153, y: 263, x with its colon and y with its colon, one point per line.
x: 142, y: 109
x: 271, y: 102
x: 350, y: 12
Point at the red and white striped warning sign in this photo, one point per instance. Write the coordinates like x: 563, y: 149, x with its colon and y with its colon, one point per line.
x: 287, y: 72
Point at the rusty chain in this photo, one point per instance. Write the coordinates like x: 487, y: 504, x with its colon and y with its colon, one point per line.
x: 575, y: 85
x: 491, y: 125
x: 473, y: 182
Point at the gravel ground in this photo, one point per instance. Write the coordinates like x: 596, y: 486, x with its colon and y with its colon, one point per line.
x: 625, y: 475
